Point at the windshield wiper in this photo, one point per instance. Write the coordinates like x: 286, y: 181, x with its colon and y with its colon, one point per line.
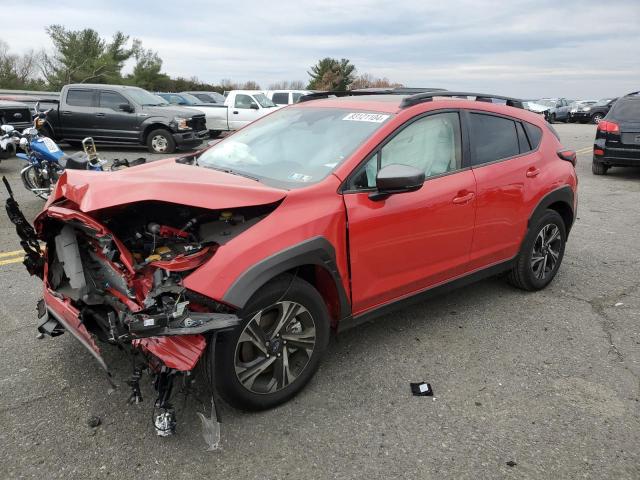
x: 232, y: 172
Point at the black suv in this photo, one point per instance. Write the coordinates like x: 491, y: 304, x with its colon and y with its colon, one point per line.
x: 617, y: 141
x: 593, y: 113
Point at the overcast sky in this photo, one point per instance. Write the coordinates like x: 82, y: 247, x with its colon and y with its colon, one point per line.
x: 571, y: 48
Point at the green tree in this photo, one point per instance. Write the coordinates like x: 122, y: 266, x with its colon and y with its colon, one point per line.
x: 331, y: 74
x: 147, y: 72
x: 18, y: 72
x: 81, y: 56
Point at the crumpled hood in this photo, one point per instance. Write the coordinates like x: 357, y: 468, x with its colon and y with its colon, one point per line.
x: 163, y: 180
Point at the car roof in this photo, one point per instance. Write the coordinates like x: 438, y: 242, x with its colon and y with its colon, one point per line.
x: 391, y: 103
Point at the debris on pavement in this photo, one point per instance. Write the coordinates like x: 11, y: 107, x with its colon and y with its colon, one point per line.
x: 94, y: 421
x: 422, y: 389
x: 511, y: 463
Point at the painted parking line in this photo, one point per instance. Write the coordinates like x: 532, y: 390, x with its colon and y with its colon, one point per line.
x: 12, y: 260
x: 585, y: 150
x: 11, y: 254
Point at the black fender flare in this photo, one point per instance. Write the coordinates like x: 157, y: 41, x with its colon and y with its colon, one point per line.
x: 315, y: 251
x: 562, y: 195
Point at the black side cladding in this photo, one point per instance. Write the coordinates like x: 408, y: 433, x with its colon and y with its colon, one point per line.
x: 33, y: 260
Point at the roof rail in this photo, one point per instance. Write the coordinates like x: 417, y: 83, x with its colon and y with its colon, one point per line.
x: 369, y: 91
x: 480, y: 97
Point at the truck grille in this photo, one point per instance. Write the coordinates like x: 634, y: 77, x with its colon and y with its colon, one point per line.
x: 197, y: 123
x: 18, y: 117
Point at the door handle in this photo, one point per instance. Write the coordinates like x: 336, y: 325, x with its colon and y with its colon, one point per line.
x: 99, y: 114
x: 533, y: 172
x: 466, y: 198
x: 235, y: 112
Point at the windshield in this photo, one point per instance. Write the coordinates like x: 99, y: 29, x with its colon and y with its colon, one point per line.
x: 191, y: 99
x: 262, y: 99
x: 142, y: 97
x: 293, y: 147
x: 546, y: 103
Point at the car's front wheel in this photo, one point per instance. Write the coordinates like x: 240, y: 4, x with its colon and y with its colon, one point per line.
x: 276, y: 349
x: 541, y: 253
x: 595, y: 118
x: 161, y: 141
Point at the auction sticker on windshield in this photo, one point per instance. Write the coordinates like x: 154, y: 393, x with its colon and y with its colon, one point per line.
x: 366, y: 117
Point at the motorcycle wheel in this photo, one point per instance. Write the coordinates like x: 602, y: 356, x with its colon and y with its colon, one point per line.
x: 33, y: 181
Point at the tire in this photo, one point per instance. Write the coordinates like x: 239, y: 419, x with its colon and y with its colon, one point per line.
x: 214, y: 133
x: 599, y: 168
x: 552, y: 118
x: 161, y: 141
x: 595, y: 118
x: 256, y: 345
x: 531, y: 270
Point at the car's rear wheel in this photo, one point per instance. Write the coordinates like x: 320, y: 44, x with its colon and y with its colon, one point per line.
x: 161, y: 141
x: 541, y: 253
x: 599, y: 168
x: 276, y: 349
x: 595, y: 118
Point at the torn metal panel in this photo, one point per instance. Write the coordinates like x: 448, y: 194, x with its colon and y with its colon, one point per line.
x: 180, y: 353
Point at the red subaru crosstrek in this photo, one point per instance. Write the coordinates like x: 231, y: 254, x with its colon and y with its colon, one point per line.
x: 243, y: 257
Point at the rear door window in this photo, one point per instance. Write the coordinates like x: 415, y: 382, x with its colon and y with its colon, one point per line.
x: 493, y: 138
x: 80, y: 98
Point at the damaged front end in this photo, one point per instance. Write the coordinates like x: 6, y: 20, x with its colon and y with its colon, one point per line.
x: 116, y: 276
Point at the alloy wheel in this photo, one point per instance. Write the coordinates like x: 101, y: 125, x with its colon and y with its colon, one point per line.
x: 597, y: 118
x: 275, y: 347
x: 546, y: 251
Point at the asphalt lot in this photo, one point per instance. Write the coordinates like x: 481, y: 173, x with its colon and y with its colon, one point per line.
x: 548, y: 380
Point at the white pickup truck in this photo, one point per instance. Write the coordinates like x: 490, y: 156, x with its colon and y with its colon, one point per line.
x: 240, y: 108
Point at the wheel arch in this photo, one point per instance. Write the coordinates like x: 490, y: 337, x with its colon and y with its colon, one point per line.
x: 312, y: 260
x: 149, y: 128
x: 560, y: 200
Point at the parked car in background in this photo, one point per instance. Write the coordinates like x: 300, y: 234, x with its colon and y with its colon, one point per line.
x: 210, y: 110
x: 286, y: 97
x: 534, y: 107
x: 240, y: 108
x: 595, y: 112
x: 576, y: 106
x: 123, y: 115
x: 208, y: 97
x: 17, y: 115
x: 558, y: 108
x: 617, y: 142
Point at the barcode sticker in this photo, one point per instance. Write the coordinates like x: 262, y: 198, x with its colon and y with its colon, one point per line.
x: 366, y: 117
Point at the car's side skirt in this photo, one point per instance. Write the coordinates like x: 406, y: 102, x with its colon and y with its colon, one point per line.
x: 423, y: 295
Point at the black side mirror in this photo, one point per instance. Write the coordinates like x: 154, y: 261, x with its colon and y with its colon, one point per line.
x: 397, y: 178
x: 125, y: 107
x: 254, y: 107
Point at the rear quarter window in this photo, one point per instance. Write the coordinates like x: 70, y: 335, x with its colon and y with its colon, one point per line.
x: 535, y: 134
x: 280, y: 98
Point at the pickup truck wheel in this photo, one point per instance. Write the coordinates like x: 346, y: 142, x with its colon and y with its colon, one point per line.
x: 276, y: 349
x: 214, y: 133
x: 161, y: 141
x: 541, y: 253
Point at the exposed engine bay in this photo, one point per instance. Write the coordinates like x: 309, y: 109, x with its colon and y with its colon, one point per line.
x: 116, y: 276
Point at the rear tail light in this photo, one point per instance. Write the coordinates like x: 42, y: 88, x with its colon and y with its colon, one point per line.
x: 598, y: 151
x: 609, y: 127
x: 568, y: 155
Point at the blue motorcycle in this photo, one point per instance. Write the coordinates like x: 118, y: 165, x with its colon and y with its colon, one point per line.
x: 46, y: 161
